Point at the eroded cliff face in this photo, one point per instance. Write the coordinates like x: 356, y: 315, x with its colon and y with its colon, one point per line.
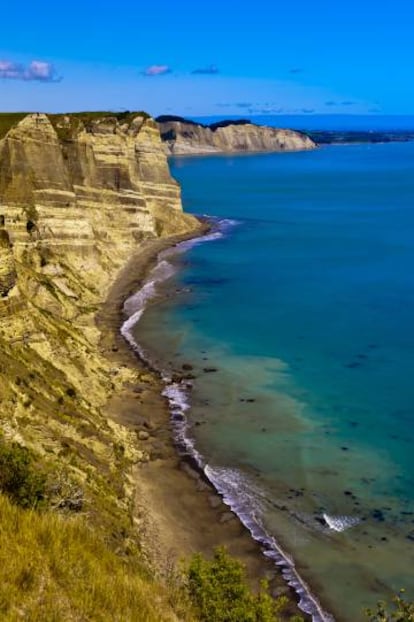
x: 183, y: 138
x: 101, y: 189
x: 76, y: 201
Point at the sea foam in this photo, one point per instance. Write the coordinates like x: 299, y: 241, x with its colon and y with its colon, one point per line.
x: 239, y: 493
x: 340, y: 523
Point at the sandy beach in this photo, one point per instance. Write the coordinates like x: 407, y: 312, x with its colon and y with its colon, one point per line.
x: 177, y: 510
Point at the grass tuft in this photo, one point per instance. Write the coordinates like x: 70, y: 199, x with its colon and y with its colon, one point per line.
x: 52, y: 568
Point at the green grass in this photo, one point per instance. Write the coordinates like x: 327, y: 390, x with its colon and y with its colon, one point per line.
x: 124, y: 116
x: 220, y: 592
x: 9, y: 120
x: 20, y: 478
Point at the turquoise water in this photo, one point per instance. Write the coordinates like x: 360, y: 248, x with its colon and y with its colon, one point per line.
x: 301, y: 312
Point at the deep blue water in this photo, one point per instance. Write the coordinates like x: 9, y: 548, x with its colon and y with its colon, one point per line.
x: 306, y: 307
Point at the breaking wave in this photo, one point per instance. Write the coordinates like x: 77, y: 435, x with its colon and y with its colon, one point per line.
x: 341, y: 523
x: 242, y: 495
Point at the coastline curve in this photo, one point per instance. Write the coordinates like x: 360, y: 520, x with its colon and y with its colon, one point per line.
x: 226, y: 482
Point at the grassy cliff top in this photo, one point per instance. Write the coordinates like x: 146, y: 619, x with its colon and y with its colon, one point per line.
x: 10, y: 119
x: 170, y: 118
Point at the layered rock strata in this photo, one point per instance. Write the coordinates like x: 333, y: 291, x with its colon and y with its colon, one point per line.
x: 78, y: 197
x: 183, y: 137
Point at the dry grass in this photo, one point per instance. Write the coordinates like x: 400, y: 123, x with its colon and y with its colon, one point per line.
x: 57, y: 569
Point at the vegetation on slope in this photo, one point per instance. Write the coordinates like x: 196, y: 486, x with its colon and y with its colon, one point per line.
x: 219, y: 591
x: 171, y: 118
x: 399, y: 611
x: 55, y: 569
x: 9, y: 120
x: 69, y: 547
x: 55, y: 566
x: 20, y: 480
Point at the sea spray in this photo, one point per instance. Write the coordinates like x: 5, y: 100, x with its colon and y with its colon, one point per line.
x: 341, y: 523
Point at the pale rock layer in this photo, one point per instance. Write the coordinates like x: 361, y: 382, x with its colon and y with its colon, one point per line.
x: 183, y: 138
x: 77, y: 199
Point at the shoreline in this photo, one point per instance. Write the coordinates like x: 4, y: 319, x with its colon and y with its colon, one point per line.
x: 178, y: 510
x: 203, y: 154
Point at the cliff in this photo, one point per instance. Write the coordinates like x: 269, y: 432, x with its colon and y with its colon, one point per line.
x: 82, y: 196
x: 76, y: 200
x: 79, y: 195
x: 183, y: 137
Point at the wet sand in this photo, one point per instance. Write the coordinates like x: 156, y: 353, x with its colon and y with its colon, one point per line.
x: 177, y: 510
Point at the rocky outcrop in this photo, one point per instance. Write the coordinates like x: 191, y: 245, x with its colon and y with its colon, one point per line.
x: 79, y: 195
x: 182, y: 137
x: 7, y: 267
x: 99, y: 189
x: 83, y: 193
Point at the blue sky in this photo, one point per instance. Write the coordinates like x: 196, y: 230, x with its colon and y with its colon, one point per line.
x: 210, y: 58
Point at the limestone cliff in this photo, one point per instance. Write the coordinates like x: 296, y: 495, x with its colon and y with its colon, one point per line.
x: 183, y: 137
x: 78, y: 196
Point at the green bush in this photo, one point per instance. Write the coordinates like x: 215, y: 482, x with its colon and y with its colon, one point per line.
x: 218, y: 590
x: 399, y: 611
x: 9, y: 120
x: 19, y: 479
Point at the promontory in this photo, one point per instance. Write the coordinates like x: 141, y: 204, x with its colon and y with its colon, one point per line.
x: 185, y: 137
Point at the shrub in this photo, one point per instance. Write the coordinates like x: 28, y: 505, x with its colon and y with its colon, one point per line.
x: 219, y: 591
x: 400, y: 611
x: 19, y: 479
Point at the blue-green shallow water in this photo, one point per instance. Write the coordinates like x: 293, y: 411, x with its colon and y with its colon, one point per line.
x: 305, y: 306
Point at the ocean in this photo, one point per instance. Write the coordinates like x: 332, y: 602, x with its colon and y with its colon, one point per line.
x: 296, y: 317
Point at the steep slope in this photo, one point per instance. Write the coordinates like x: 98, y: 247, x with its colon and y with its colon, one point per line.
x: 75, y: 202
x: 78, y: 197
x: 183, y: 137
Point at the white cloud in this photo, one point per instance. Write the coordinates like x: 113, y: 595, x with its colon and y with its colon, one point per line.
x: 37, y: 70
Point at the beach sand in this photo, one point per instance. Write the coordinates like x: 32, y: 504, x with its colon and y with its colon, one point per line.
x: 177, y: 510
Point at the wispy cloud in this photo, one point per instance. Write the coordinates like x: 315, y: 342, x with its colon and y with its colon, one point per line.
x: 266, y: 111
x: 156, y: 70
x: 296, y: 70
x: 348, y: 102
x: 254, y: 108
x: 209, y: 70
x: 37, y: 70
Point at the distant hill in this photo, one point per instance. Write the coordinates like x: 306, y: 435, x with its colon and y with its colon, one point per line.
x: 185, y: 137
x: 326, y: 137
